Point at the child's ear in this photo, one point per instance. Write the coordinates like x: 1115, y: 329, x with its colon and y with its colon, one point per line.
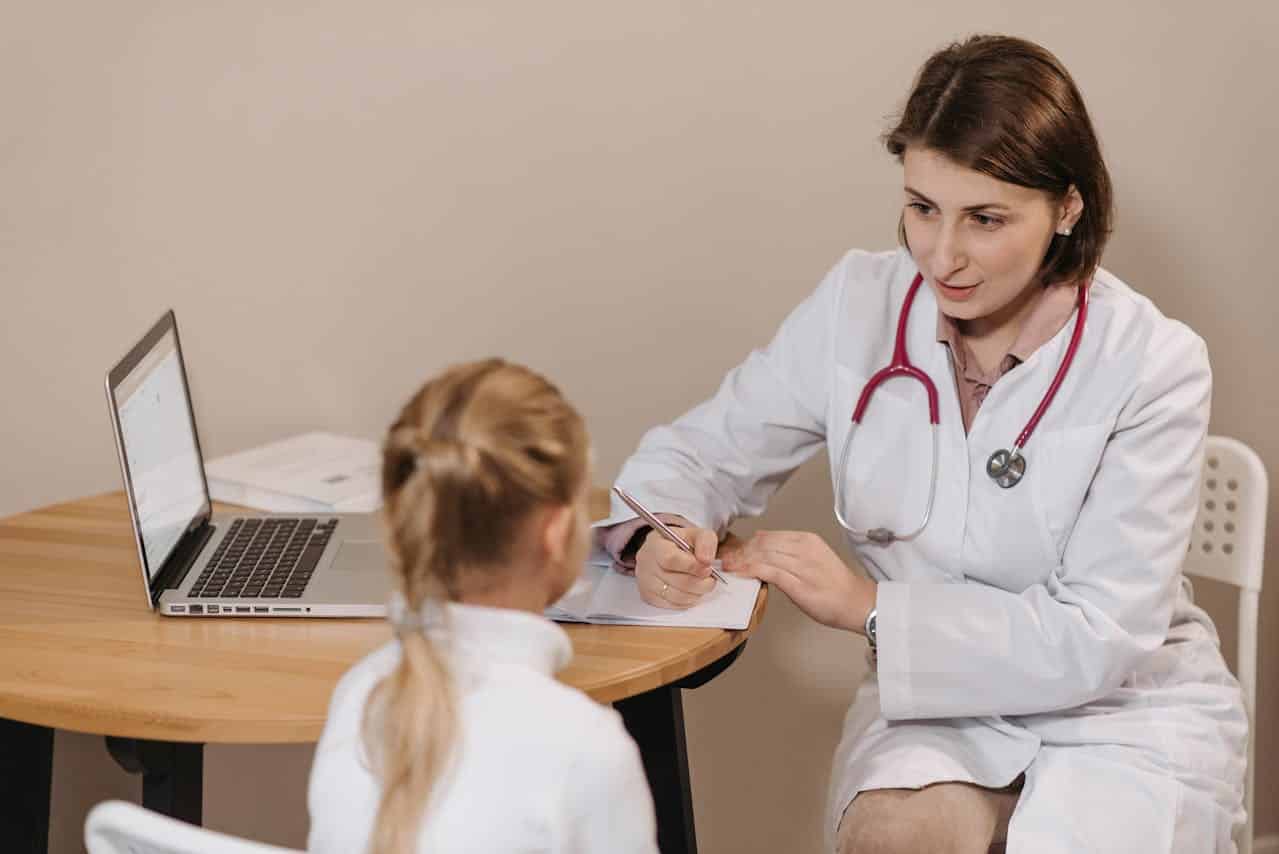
x: 557, y: 532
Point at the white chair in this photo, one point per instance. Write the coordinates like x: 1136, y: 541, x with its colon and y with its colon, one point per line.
x: 1228, y: 545
x: 119, y: 827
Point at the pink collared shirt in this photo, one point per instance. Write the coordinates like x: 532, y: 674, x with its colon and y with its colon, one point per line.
x: 1053, y: 307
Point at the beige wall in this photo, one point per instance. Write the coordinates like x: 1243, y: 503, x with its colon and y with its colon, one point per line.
x: 342, y: 198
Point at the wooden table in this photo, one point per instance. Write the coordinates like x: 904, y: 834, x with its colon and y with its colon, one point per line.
x: 80, y: 650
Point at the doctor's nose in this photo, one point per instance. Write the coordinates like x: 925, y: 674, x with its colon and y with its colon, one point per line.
x: 949, y: 256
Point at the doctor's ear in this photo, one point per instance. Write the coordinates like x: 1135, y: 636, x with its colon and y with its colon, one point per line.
x: 1072, y: 208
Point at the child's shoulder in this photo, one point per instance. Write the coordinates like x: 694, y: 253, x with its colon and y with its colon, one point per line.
x: 360, y: 678
x: 507, y: 708
x: 567, y: 720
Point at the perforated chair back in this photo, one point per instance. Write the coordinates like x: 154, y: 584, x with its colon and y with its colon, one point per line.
x: 1228, y: 545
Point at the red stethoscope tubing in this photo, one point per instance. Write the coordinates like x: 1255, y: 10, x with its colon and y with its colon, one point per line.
x: 1005, y: 467
x: 1081, y: 306
x: 901, y: 366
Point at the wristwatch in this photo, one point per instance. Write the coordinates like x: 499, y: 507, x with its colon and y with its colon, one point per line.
x: 870, y: 630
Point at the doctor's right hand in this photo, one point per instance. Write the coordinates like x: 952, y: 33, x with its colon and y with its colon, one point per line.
x: 668, y: 576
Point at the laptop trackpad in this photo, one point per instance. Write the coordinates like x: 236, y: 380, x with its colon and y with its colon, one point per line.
x: 360, y: 556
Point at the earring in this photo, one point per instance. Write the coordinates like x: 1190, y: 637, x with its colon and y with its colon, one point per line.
x: 1065, y: 232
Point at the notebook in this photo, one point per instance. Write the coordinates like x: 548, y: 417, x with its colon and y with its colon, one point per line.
x: 604, y: 596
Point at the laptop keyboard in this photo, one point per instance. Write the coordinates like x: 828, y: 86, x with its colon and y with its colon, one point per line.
x: 264, y: 558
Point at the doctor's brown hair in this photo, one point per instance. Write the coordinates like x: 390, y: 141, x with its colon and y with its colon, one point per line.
x: 1007, y: 108
x: 469, y: 459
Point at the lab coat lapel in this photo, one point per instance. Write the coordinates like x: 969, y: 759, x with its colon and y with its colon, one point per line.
x: 1005, y: 542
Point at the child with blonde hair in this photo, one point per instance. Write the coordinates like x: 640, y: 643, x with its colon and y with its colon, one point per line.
x: 456, y: 737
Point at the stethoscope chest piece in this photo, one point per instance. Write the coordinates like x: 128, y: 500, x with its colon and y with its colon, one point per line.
x: 1006, y: 468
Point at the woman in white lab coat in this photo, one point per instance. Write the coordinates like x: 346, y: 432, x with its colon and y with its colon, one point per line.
x: 1042, y: 673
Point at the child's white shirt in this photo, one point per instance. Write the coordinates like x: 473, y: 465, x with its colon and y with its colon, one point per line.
x: 537, y: 766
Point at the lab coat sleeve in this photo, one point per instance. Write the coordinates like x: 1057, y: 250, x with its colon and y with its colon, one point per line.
x: 726, y: 457
x: 606, y: 797
x: 952, y: 650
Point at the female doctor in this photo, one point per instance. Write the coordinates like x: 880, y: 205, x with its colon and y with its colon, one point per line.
x: 1019, y: 487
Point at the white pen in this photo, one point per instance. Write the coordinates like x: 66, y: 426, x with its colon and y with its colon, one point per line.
x: 661, y: 528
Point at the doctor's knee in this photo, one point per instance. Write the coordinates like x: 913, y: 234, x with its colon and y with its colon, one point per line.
x: 884, y: 835
x: 941, y: 819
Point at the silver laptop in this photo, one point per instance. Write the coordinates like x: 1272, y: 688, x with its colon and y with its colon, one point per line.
x: 196, y: 564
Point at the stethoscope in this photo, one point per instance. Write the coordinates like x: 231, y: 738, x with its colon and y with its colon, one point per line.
x: 1005, y: 467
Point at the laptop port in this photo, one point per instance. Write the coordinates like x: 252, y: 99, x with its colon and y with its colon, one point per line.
x: 261, y: 609
x: 213, y: 609
x: 197, y: 609
x: 242, y: 609
x: 177, y: 609
x: 291, y: 610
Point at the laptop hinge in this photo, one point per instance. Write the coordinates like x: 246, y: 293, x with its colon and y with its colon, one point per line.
x: 183, y: 558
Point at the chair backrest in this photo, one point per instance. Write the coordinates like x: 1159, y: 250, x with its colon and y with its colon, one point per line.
x: 119, y: 827
x: 1228, y: 545
x: 1228, y: 541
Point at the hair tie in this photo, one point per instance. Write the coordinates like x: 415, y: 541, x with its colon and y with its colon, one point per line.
x: 404, y: 619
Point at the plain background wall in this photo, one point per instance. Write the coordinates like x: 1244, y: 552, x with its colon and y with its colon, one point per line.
x: 339, y: 199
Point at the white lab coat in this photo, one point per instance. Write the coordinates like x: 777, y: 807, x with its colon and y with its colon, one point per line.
x: 537, y: 768
x: 1044, y: 629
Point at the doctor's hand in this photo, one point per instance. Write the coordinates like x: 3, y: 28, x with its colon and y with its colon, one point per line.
x: 810, y: 573
x: 668, y: 576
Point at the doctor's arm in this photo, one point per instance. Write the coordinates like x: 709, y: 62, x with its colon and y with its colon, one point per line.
x: 728, y: 455
x: 948, y: 650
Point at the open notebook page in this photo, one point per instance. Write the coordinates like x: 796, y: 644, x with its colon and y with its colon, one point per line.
x: 604, y: 596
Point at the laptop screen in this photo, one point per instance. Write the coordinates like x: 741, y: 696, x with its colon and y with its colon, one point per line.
x: 159, y: 447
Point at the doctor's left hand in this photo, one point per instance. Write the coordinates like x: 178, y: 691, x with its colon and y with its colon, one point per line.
x: 810, y: 573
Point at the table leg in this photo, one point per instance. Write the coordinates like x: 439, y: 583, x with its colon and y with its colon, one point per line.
x: 655, y: 719
x: 26, y: 784
x: 172, y: 774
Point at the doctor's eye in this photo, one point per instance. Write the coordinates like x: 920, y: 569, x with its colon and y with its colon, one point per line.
x: 987, y: 221
x: 919, y: 208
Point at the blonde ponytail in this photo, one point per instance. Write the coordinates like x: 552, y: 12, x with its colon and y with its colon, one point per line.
x: 412, y: 714
x: 469, y: 459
